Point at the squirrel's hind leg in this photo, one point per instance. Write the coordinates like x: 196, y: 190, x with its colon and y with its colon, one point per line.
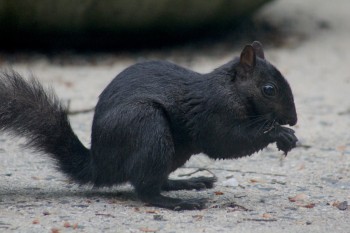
x: 152, y: 162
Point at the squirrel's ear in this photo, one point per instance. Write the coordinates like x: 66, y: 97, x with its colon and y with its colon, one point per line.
x: 258, y: 48
x: 248, y: 57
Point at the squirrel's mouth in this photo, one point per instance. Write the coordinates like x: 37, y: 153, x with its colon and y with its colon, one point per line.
x: 271, y: 126
x: 272, y: 122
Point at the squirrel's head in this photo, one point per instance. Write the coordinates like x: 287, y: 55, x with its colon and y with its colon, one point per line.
x: 263, y: 86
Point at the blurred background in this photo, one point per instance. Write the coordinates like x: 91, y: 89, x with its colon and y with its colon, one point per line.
x: 92, y: 25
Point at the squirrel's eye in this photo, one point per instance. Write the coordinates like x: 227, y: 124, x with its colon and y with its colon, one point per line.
x: 269, y: 90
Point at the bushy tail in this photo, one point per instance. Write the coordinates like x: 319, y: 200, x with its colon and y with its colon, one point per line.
x: 30, y: 111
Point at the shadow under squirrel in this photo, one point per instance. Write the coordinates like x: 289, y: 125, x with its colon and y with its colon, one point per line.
x: 152, y: 117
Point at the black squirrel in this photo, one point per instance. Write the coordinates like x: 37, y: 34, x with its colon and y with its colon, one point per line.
x: 152, y: 117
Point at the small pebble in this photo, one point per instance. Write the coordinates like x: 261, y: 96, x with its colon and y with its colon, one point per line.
x: 232, y: 182
x: 158, y: 217
x: 343, y: 205
x: 46, y: 213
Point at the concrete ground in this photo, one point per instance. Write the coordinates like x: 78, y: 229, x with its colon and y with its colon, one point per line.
x: 307, y: 191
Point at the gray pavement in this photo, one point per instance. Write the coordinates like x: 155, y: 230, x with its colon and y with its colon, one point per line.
x: 305, y: 192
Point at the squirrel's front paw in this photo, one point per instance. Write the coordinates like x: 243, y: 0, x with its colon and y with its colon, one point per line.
x: 285, y: 139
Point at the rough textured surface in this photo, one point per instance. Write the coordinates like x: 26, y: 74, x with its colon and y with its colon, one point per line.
x: 304, y: 192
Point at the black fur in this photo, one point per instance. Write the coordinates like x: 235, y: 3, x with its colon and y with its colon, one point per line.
x: 152, y: 117
x: 27, y: 110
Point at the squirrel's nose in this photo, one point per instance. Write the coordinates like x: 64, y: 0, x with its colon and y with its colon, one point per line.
x: 288, y: 120
x: 291, y: 116
x: 292, y: 120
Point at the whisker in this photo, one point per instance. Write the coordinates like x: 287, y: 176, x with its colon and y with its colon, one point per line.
x: 251, y: 122
x: 262, y: 127
x: 271, y: 127
x: 259, y: 123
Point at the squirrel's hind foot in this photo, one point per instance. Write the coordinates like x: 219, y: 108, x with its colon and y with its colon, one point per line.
x: 189, y: 184
x: 175, y: 203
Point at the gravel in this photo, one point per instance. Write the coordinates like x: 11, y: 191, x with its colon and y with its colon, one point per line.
x: 307, y: 191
